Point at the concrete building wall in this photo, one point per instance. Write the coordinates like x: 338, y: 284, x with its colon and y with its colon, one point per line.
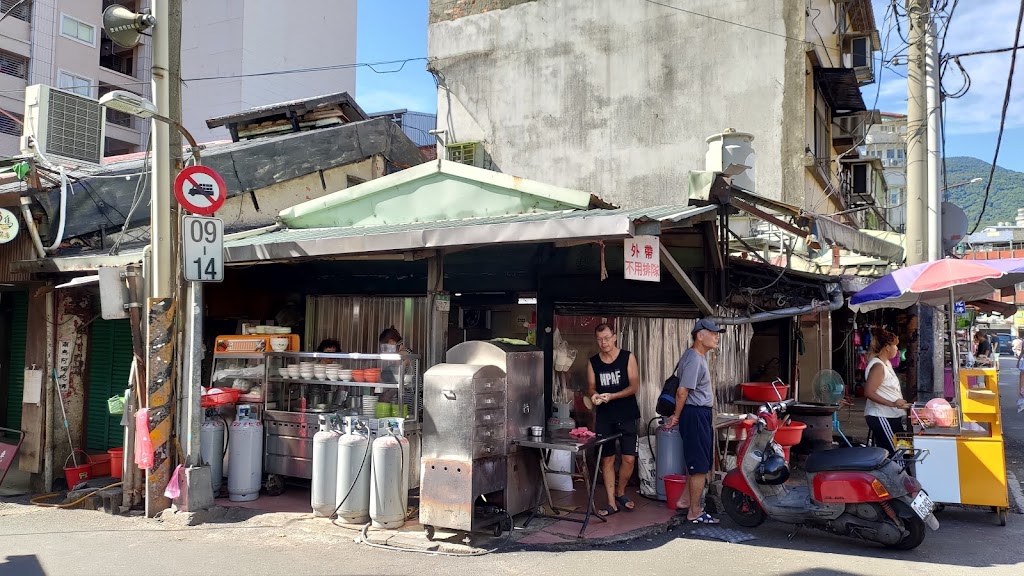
x: 588, y: 95
x: 888, y: 141
x: 240, y: 38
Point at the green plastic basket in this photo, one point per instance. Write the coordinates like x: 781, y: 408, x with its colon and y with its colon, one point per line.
x: 115, y: 405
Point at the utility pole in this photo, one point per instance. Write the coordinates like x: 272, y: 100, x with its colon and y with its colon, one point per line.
x: 917, y: 153
x: 933, y: 99
x: 161, y: 335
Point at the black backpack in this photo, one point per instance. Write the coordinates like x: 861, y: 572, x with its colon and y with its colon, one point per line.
x: 666, y: 405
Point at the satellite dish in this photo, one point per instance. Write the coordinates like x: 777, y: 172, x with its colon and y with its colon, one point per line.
x: 125, y: 27
x: 954, y: 226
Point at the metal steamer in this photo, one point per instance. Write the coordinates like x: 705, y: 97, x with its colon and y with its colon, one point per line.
x: 524, y: 408
x: 475, y: 406
x: 294, y: 403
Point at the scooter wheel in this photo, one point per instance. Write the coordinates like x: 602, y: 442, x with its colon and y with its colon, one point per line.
x: 742, y: 508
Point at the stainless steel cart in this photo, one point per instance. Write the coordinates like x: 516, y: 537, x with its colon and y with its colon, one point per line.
x: 293, y: 405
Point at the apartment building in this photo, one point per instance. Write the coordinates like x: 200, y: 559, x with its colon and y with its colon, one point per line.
x: 887, y: 141
x: 618, y: 98
x: 227, y: 47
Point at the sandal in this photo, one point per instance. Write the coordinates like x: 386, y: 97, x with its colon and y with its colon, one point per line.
x: 625, y: 502
x: 704, y: 518
x: 608, y: 511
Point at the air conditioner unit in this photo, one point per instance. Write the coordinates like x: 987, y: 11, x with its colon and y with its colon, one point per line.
x: 63, y: 126
x: 471, y: 153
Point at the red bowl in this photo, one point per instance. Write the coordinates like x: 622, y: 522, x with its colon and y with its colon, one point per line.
x: 764, y: 391
x: 790, y: 434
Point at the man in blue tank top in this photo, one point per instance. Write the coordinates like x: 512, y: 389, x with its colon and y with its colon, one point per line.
x: 612, y: 382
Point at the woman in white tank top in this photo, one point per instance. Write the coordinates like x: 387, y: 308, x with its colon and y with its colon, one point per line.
x: 885, y: 407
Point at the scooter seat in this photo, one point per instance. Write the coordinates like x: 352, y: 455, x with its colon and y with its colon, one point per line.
x: 846, y: 459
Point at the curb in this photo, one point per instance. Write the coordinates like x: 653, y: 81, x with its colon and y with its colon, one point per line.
x: 589, y: 543
x: 1016, y: 493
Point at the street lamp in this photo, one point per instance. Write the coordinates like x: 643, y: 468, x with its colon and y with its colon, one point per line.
x: 135, y: 105
x: 965, y: 183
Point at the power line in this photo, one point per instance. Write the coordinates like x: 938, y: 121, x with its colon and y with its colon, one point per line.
x: 993, y: 51
x: 1002, y: 119
x: 370, y: 65
x: 13, y: 8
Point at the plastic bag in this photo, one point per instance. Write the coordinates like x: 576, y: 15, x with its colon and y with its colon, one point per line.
x: 560, y: 461
x: 143, y: 442
x: 173, y: 489
x: 1020, y: 404
x: 646, y: 467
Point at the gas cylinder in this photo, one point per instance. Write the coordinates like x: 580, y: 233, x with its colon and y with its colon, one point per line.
x: 669, y: 459
x: 245, y: 466
x: 211, y: 448
x: 389, y: 482
x: 325, y: 469
x: 352, y: 491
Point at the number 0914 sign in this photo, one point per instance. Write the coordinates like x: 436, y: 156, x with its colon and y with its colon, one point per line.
x: 203, y: 249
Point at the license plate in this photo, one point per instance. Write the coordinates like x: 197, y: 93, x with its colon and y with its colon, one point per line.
x: 922, y: 505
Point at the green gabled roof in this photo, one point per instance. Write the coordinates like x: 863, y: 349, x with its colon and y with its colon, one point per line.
x: 431, y: 192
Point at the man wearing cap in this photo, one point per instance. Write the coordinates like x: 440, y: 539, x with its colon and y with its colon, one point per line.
x: 694, y: 400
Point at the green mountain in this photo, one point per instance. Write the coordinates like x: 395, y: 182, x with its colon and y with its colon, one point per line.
x: 1006, y: 196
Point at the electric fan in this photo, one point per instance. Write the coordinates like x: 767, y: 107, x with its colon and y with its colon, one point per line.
x: 829, y: 389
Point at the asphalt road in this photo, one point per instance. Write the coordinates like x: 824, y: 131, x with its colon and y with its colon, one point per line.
x: 1013, y: 422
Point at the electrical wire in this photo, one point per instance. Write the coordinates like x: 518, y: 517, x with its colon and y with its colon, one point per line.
x: 12, y: 9
x: 370, y: 65
x: 136, y: 200
x: 1002, y: 119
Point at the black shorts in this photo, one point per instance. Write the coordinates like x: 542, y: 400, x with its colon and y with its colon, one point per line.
x: 883, y: 431
x: 627, y: 442
x: 696, y: 427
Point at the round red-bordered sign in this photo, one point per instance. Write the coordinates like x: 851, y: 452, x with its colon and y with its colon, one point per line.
x: 200, y: 190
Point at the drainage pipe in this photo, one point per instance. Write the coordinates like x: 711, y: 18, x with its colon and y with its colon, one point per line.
x: 836, y: 301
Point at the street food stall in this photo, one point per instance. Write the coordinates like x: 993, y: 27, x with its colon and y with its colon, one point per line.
x: 966, y: 461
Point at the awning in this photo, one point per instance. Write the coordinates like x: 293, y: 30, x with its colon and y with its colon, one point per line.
x: 566, y: 225
x: 80, y: 281
x: 841, y: 90
x: 854, y: 240
x: 1006, y: 309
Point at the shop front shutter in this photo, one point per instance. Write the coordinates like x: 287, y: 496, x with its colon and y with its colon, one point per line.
x: 110, y: 361
x: 16, y: 359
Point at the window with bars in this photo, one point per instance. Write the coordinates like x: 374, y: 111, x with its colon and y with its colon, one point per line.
x: 9, y: 125
x: 13, y: 65
x: 21, y: 11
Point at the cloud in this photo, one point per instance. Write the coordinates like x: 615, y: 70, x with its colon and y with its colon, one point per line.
x: 975, y: 26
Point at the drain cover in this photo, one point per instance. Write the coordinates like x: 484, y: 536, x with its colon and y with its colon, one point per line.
x: 723, y: 534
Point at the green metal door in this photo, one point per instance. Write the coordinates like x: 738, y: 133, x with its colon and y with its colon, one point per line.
x: 110, y: 362
x: 16, y: 358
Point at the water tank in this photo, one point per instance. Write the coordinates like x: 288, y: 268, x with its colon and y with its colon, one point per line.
x: 211, y: 449
x: 352, y: 491
x: 325, y: 470
x: 245, y: 466
x: 732, y: 147
x: 389, y: 482
x: 669, y: 459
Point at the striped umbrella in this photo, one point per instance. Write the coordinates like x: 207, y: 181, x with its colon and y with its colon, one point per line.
x: 938, y: 283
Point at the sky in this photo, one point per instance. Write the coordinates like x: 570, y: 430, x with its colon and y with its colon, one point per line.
x: 397, y: 29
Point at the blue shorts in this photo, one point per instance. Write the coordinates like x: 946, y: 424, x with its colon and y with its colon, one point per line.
x: 697, y: 429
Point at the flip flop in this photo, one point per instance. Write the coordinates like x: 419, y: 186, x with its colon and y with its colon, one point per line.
x: 704, y: 518
x: 625, y: 501
x: 608, y: 511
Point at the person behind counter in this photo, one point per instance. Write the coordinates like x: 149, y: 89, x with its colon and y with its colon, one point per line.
x: 390, y: 342
x: 328, y: 346
x: 885, y: 407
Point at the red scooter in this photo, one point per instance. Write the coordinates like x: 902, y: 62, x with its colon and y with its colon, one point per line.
x: 856, y: 492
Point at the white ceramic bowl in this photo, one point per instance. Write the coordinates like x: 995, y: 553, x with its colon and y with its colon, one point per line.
x: 283, y: 371
x: 279, y: 344
x: 293, y: 371
x: 305, y: 375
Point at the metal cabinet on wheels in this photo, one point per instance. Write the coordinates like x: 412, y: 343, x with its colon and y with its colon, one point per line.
x: 464, y: 446
x: 524, y: 407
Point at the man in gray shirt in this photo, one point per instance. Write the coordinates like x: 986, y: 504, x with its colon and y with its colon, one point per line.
x: 694, y: 401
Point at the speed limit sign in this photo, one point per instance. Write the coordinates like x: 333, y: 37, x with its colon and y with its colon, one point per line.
x: 203, y: 249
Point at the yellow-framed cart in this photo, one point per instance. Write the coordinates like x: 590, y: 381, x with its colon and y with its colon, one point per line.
x: 966, y: 461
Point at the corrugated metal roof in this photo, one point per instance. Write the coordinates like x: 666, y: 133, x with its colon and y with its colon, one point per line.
x: 671, y: 213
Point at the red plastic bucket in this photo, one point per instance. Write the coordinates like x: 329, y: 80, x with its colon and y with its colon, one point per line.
x: 100, y: 464
x: 116, y: 461
x: 675, y: 485
x: 77, y: 474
